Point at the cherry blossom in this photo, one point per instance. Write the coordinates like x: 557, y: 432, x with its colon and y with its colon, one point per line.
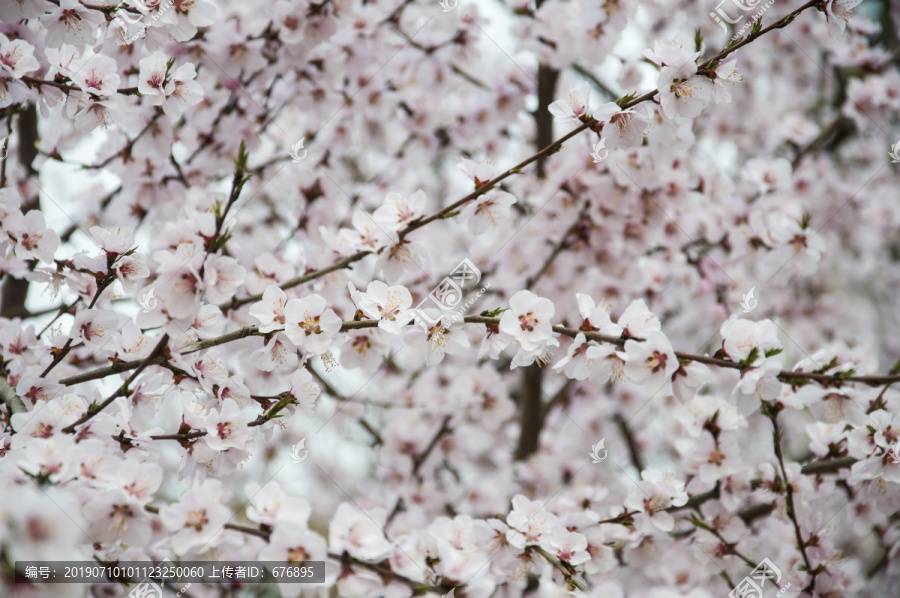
x: 638, y: 321
x: 71, y: 22
x: 16, y: 57
x: 486, y: 212
x: 744, y: 339
x: 221, y: 231
x: 398, y: 211
x: 440, y: 335
x: 277, y: 351
x: 726, y: 75
x: 623, y: 128
x: 358, y: 533
x: 222, y: 276
x: 682, y: 92
x: 389, y: 305
x: 529, y: 523
x: 32, y: 238
x: 226, y: 428
x: 528, y: 320
x: 270, y: 311
x: 575, y: 107
x: 94, y: 328
x: 98, y: 76
x: 569, y: 547
x: 652, y: 496
x: 651, y: 362
x: 309, y: 325
x: 197, y: 519
x: 839, y: 14
x: 173, y: 89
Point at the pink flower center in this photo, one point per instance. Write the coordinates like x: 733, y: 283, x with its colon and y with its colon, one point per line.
x: 196, y: 519
x: 528, y: 322
x: 224, y: 430
x: 657, y: 361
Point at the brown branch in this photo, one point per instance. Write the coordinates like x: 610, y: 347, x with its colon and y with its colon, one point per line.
x: 123, y: 390
x: 531, y: 407
x: 64, y: 350
x: 777, y: 435
x: 560, y: 397
x: 790, y: 377
x: 418, y: 460
x: 633, y: 448
x: 253, y: 531
x: 221, y: 340
x: 839, y: 129
x: 15, y: 290
x: 558, y: 249
x: 597, y: 83
x: 386, y: 573
x: 71, y: 88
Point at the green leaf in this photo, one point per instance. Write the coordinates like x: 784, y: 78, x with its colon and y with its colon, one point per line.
x: 772, y: 352
x: 220, y: 242
x: 240, y: 163
x: 831, y: 364
x: 624, y: 100
x: 847, y: 374
x: 895, y: 369
x: 752, y: 357
x: 698, y: 40
x: 757, y: 27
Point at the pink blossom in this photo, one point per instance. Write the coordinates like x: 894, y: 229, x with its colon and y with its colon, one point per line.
x: 529, y: 320
x: 359, y: 533
x: 270, y: 311
x: 32, y: 238
x: 197, y: 519
x: 309, y: 325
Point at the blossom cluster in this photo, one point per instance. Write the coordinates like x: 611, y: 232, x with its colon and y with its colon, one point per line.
x: 212, y: 347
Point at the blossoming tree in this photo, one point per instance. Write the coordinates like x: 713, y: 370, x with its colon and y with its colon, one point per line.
x: 553, y: 298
